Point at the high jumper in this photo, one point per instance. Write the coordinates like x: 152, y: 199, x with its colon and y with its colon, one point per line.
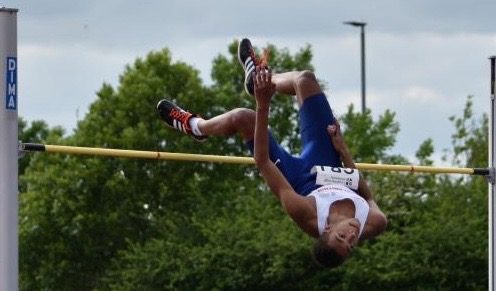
x: 332, y: 213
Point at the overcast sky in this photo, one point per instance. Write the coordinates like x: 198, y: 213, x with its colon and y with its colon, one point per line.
x: 423, y: 57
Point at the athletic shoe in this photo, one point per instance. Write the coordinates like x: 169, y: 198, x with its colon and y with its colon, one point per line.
x: 177, y: 118
x: 248, y: 61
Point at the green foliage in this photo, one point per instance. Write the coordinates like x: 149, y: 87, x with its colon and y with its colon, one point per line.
x: 369, y: 140
x: 37, y: 132
x: 252, y: 237
x: 121, y: 224
x: 470, y: 138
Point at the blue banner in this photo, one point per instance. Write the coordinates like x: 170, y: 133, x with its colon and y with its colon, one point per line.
x: 11, y: 84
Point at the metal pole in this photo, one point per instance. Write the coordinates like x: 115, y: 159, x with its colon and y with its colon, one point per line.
x: 9, y: 243
x: 491, y: 178
x: 363, y: 67
x: 362, y: 52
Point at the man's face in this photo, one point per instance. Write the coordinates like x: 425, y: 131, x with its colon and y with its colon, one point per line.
x: 343, y: 236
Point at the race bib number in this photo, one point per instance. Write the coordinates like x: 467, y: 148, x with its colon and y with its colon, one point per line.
x: 333, y: 175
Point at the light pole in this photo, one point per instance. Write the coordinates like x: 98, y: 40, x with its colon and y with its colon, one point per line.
x: 362, y: 34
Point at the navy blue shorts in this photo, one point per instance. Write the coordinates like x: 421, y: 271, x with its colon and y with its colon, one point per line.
x: 315, y: 115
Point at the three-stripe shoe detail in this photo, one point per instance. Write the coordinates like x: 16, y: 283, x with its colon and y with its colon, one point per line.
x: 177, y: 118
x: 249, y: 61
x: 180, y: 120
x: 249, y: 65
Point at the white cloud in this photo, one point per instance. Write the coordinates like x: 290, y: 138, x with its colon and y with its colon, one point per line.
x: 422, y: 96
x: 58, y: 81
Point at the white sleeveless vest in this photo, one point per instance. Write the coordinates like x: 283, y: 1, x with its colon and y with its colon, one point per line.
x: 328, y: 194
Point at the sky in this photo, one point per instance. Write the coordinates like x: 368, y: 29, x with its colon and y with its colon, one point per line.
x: 423, y: 58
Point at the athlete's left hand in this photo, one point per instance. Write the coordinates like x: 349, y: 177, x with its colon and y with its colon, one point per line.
x: 334, y: 131
x: 263, y: 86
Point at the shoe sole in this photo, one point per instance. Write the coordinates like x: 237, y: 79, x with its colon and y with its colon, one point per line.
x: 239, y: 57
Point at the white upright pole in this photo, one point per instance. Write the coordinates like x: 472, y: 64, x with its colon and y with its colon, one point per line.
x: 9, y: 242
x: 491, y: 178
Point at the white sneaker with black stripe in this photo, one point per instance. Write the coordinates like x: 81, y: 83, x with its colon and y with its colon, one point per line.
x: 248, y: 61
x: 177, y: 118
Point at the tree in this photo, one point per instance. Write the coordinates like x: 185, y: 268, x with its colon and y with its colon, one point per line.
x: 78, y: 212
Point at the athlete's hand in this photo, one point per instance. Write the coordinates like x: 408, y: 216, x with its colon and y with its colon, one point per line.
x: 263, y: 87
x: 334, y: 131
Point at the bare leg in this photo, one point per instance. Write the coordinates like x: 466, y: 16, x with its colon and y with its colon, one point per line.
x: 240, y: 120
x: 302, y: 84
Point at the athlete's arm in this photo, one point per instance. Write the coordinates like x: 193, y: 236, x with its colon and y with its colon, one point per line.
x: 376, y: 222
x: 297, y: 207
x: 345, y: 155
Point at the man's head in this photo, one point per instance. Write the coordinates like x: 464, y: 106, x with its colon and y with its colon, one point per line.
x: 336, y: 242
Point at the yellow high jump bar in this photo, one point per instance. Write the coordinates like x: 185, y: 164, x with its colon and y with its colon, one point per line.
x: 34, y: 147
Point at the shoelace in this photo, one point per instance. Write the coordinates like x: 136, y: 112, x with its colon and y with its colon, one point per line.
x: 182, y: 116
x: 262, y: 61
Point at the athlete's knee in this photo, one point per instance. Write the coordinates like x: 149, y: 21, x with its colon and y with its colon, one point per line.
x: 305, y: 79
x: 244, y: 121
x: 306, y: 85
x: 242, y: 115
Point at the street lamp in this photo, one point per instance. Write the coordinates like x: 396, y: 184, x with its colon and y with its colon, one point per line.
x: 362, y: 27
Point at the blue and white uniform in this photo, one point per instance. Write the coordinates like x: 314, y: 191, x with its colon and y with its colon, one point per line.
x: 326, y: 195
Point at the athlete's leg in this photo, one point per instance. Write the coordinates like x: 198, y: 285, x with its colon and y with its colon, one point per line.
x: 239, y: 120
x: 315, y: 115
x: 242, y: 120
